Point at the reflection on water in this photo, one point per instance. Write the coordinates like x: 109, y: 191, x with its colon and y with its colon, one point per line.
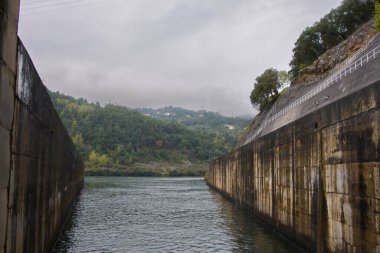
x: 161, y: 215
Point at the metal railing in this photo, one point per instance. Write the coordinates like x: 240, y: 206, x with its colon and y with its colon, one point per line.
x: 324, y: 85
x: 351, y: 58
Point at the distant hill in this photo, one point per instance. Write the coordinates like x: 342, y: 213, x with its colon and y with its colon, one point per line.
x: 198, y: 120
x: 116, y: 137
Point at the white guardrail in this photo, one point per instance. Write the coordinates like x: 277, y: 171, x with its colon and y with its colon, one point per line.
x: 327, y: 83
x: 350, y: 58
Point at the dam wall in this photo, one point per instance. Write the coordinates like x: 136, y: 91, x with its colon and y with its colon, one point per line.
x: 315, y: 178
x: 40, y: 170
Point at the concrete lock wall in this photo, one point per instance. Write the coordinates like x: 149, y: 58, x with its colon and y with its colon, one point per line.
x: 8, y: 47
x: 40, y: 170
x: 315, y: 180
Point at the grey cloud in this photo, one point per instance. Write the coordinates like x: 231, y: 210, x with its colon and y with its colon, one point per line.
x: 190, y: 53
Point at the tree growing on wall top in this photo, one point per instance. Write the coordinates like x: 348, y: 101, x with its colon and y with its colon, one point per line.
x: 267, y: 87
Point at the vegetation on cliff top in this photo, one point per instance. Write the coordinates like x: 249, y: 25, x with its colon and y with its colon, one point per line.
x: 117, y: 137
x: 332, y: 29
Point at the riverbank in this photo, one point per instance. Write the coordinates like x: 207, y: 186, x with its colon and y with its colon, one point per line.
x: 155, y: 169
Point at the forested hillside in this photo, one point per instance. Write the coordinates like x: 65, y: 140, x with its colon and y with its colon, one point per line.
x: 198, y: 120
x: 117, y: 137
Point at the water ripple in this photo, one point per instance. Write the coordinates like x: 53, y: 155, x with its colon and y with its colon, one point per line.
x: 161, y: 215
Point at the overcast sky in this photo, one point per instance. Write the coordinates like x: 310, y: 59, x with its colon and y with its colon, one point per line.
x: 197, y: 54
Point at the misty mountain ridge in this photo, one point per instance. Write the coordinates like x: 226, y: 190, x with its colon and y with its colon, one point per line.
x: 197, y: 120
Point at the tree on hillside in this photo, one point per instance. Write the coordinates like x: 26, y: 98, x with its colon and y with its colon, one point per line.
x: 332, y: 29
x: 267, y: 87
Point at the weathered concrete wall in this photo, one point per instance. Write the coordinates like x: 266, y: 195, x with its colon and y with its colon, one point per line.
x: 8, y: 47
x: 40, y: 170
x: 317, y: 179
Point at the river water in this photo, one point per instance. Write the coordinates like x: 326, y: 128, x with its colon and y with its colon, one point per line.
x: 126, y: 214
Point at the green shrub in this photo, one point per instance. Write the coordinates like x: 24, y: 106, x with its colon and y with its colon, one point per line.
x: 206, y: 177
x: 377, y: 16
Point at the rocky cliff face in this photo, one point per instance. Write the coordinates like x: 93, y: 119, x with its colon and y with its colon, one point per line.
x: 336, y: 55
